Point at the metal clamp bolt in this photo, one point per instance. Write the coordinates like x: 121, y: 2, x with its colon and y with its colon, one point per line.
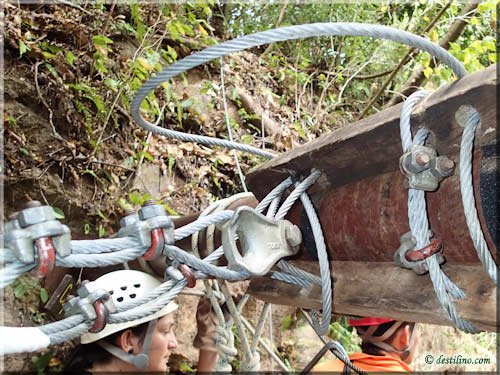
x: 151, y: 227
x: 33, y: 233
x: 407, y: 257
x: 94, y: 305
x: 424, y: 169
x: 263, y: 241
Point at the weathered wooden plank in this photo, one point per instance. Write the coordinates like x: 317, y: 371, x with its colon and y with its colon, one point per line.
x: 383, y: 289
x: 372, y: 145
x: 360, y: 197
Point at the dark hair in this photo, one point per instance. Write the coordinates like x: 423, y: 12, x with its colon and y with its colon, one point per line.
x: 86, y: 355
x: 369, y: 348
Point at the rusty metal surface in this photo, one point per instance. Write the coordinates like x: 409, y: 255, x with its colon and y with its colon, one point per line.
x: 363, y: 221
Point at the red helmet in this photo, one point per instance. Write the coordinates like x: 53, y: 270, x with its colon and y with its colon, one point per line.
x: 369, y: 321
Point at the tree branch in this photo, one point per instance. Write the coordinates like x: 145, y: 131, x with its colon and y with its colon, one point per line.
x: 418, y: 77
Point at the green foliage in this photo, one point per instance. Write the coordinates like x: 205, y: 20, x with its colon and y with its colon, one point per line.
x: 41, y: 362
x: 345, y: 334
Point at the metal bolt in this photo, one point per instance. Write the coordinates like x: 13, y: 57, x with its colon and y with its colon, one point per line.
x: 463, y: 113
x: 32, y: 203
x: 446, y: 164
x: 422, y: 159
x: 293, y: 235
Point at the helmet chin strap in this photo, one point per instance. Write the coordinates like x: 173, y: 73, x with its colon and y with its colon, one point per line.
x: 138, y: 360
x: 378, y: 341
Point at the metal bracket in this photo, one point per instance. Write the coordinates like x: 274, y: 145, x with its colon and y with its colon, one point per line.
x: 402, y: 255
x: 263, y: 241
x: 95, y: 305
x: 32, y: 225
x: 151, y: 227
x: 424, y: 169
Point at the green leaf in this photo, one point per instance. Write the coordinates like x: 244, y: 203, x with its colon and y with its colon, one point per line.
x: 19, y: 290
x: 22, y: 48
x: 101, y: 40
x: 70, y: 58
x: 44, y: 295
x: 58, y: 213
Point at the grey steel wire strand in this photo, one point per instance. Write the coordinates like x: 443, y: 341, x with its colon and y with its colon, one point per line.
x: 142, y: 311
x: 273, y: 194
x: 202, y: 222
x: 419, y: 224
x: 467, y: 192
x: 324, y: 265
x: 102, y: 245
x: 295, y: 194
x: 69, y: 334
x: 100, y: 260
x: 62, y: 325
x: 271, y: 36
x: 203, y: 266
x: 12, y: 271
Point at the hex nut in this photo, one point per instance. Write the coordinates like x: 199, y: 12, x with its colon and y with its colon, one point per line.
x: 293, y: 235
x: 149, y: 211
x: 35, y: 215
x: 129, y: 220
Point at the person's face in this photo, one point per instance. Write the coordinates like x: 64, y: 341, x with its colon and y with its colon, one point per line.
x: 162, y: 344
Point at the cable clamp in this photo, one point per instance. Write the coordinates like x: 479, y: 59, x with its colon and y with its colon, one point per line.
x: 152, y: 227
x: 424, y: 169
x: 36, y: 236
x: 95, y: 305
x: 407, y: 257
x: 263, y: 241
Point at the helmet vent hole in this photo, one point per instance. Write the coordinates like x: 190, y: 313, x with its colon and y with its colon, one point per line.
x: 120, y: 299
x: 137, y: 285
x: 132, y: 295
x: 123, y: 288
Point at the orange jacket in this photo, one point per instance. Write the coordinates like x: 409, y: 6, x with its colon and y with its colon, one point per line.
x: 366, y: 362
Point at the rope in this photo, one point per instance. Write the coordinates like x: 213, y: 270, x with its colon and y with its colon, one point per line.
x: 419, y: 224
x: 12, y: 271
x: 467, y: 192
x: 271, y: 36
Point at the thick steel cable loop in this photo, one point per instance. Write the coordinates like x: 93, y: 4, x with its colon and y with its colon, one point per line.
x: 12, y: 271
x: 290, y: 279
x: 203, y: 266
x: 299, y: 273
x: 271, y: 36
x: 155, y: 293
x: 419, y: 225
x: 467, y: 192
x: 100, y: 260
x: 273, y: 208
x: 142, y: 311
x: 295, y: 194
x: 406, y: 112
x: 69, y: 334
x: 202, y: 222
x: 62, y: 325
x: 324, y: 265
x: 103, y: 245
x: 273, y: 194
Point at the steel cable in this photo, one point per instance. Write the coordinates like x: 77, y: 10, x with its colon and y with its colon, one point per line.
x: 271, y: 36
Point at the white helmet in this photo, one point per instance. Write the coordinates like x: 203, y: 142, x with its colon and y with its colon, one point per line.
x: 125, y: 286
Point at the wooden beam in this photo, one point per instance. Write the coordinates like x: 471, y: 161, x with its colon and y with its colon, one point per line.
x: 372, y: 145
x: 383, y: 289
